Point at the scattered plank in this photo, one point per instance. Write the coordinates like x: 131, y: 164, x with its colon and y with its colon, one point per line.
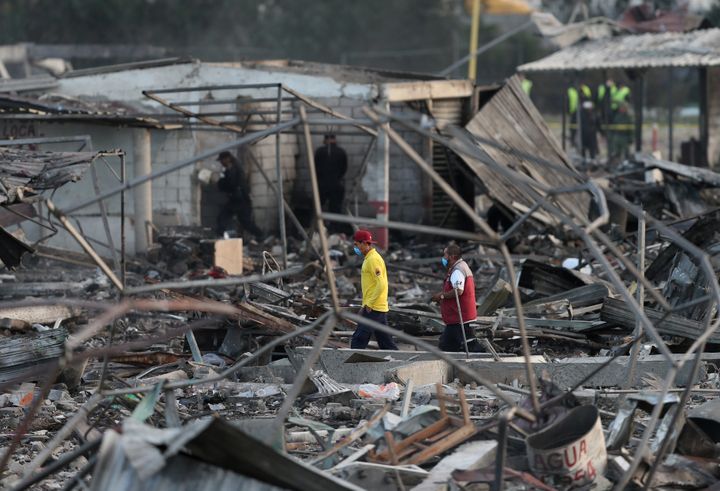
x: 22, y: 357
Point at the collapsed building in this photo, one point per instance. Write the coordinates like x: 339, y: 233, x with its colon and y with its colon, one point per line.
x: 596, y: 315
x: 111, y: 105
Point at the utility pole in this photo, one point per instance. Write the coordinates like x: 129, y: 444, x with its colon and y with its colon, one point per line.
x: 474, y: 34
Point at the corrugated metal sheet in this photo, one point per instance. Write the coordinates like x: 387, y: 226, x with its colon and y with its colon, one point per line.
x: 53, y: 107
x: 209, y: 454
x: 39, y: 170
x: 510, y: 131
x: 697, y: 48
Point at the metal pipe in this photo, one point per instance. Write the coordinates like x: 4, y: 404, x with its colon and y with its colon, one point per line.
x: 326, y: 109
x: 681, y: 404
x: 302, y: 374
x: 288, y: 209
x: 459, y: 365
x: 84, y: 244
x: 462, y: 324
x: 180, y: 285
x: 649, y: 429
x: 212, y: 87
x: 457, y: 199
x: 104, y: 217
x: 410, y: 227
x: 58, y: 464
x: 638, y: 332
x: 136, y: 181
x: 123, y: 255
x: 280, y: 192
x: 638, y: 96
x: 331, y: 320
x: 38, y: 141
x: 671, y: 110
x: 77, y: 478
x: 230, y: 370
x: 501, y: 451
x: 318, y: 212
x: 217, y: 102
x: 483, y: 48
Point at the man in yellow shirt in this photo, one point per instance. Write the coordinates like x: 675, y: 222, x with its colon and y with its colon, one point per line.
x: 374, y: 284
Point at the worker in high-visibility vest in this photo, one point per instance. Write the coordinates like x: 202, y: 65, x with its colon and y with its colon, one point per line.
x: 573, y: 102
x: 618, y: 94
x: 610, y: 97
x: 621, y: 135
x: 525, y: 84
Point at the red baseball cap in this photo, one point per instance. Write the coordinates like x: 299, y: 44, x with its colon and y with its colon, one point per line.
x: 363, y: 236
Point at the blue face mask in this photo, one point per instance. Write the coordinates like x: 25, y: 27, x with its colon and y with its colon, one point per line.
x: 444, y: 262
x: 357, y: 250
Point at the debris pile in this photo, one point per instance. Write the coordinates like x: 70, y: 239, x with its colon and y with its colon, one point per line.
x: 201, y: 368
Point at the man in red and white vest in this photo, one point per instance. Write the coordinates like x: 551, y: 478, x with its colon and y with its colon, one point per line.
x: 459, y: 277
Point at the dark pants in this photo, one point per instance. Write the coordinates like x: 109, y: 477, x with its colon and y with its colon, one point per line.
x: 452, y: 339
x: 331, y: 197
x: 243, y: 211
x: 363, y: 333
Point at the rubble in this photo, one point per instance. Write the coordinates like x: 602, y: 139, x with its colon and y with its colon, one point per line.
x: 207, y: 363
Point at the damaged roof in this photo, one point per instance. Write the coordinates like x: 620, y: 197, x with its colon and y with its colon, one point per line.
x: 29, y: 170
x: 672, y: 49
x: 510, y: 132
x: 340, y: 73
x: 56, y: 106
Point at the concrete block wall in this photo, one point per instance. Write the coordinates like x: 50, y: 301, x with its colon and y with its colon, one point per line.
x: 353, y: 141
x: 174, y: 191
x: 405, y: 177
x: 265, y: 202
x: 406, y: 198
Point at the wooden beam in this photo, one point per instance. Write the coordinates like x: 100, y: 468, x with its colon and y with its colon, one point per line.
x: 435, y: 89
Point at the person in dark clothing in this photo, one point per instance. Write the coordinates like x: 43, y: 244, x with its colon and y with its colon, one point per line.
x: 588, y: 125
x: 234, y: 185
x: 621, y: 137
x: 330, y: 167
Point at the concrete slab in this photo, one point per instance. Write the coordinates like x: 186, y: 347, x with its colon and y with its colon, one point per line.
x: 568, y: 372
x: 422, y: 372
